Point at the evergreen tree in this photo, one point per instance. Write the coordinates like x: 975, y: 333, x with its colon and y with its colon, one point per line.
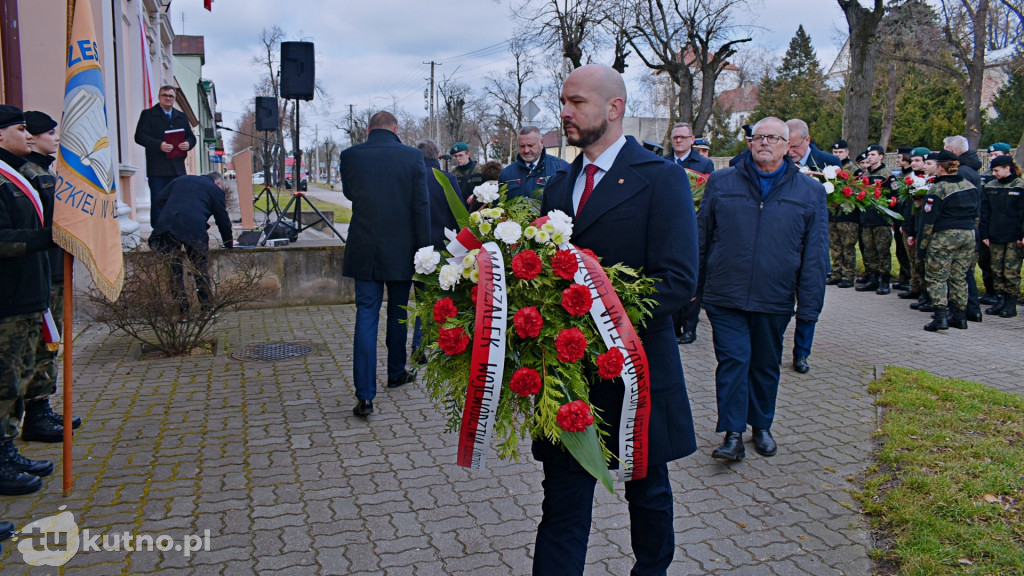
x: 1009, y: 125
x: 724, y: 141
x: 798, y: 90
x: 931, y: 108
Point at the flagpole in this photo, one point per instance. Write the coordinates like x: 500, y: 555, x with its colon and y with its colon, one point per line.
x: 69, y: 313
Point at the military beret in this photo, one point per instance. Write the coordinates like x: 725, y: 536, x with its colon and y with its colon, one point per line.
x: 10, y: 115
x: 862, y: 156
x: 904, y: 149
x: 942, y: 156
x: 920, y: 151
x: 841, y: 145
x: 999, y: 147
x: 876, y: 148
x: 459, y: 147
x: 1001, y: 161
x: 39, y: 122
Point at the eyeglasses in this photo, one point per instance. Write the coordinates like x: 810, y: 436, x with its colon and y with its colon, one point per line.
x: 770, y: 138
x: 167, y: 95
x: 682, y: 137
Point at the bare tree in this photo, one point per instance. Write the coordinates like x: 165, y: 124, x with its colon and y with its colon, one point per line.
x: 454, y: 97
x: 863, y: 45
x: 568, y: 26
x: 509, y: 92
x: 691, y: 42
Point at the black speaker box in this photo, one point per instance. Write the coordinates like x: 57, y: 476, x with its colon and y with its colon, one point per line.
x: 297, y: 70
x: 266, y: 113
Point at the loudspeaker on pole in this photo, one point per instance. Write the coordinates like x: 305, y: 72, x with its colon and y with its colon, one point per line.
x: 297, y: 70
x: 266, y: 113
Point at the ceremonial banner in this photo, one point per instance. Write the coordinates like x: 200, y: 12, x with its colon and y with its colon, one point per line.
x: 85, y: 207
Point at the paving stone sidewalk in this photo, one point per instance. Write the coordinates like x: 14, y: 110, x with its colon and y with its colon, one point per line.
x: 268, y: 457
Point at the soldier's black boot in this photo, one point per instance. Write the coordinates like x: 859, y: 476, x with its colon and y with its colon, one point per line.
x: 862, y: 279
x: 883, y: 285
x: 940, y: 322
x: 957, y: 318
x: 997, y: 306
x: 909, y: 294
x: 1010, y: 307
x: 870, y: 284
x: 41, y: 424
x: 989, y: 298
x: 922, y: 299
x: 926, y: 307
x: 18, y: 474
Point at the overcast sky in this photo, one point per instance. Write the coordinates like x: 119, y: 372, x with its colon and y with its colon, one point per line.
x: 369, y: 53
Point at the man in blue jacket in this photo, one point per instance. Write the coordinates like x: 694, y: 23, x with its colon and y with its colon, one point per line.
x: 683, y: 152
x: 532, y: 167
x: 763, y: 232
x: 387, y: 184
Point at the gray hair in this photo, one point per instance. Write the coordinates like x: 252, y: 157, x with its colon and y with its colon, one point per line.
x: 785, y: 127
x: 682, y: 125
x: 529, y: 130
x: 217, y: 177
x: 429, y: 149
x: 798, y: 127
x: 957, y: 144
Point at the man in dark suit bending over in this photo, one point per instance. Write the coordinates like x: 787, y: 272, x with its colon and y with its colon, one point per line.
x: 637, y: 210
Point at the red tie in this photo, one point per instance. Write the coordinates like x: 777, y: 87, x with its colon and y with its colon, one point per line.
x: 588, y: 187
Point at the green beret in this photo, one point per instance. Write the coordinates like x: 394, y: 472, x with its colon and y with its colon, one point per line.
x: 920, y: 151
x: 459, y: 147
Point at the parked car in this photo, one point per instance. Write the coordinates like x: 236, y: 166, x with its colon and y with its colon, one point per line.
x: 258, y: 178
x: 303, y: 184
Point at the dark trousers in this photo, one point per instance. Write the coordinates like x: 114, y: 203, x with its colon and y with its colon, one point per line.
x: 156, y: 196
x: 369, y: 296
x: 686, y: 318
x: 564, y: 530
x: 748, y: 347
x: 803, y: 338
x: 902, y: 257
x: 198, y: 262
x: 985, y: 263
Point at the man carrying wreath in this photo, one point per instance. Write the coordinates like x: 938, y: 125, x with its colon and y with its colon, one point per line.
x: 633, y: 207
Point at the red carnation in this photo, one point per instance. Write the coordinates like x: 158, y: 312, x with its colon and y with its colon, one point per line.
x: 847, y: 191
x: 444, y: 309
x: 609, y: 364
x: 564, y: 264
x: 862, y: 195
x: 574, y: 416
x: 526, y: 265
x: 528, y: 322
x: 590, y: 253
x: 576, y: 300
x: 843, y: 174
x: 453, y: 340
x: 878, y: 193
x: 472, y: 293
x: 525, y: 382
x: 892, y: 202
x: 908, y: 180
x: 571, y: 345
x: 867, y: 181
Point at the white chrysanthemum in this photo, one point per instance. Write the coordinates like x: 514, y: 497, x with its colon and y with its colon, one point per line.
x: 559, y: 216
x: 542, y: 236
x: 469, y: 260
x: 485, y: 227
x: 548, y: 227
x: 508, y: 232
x: 487, y: 192
x: 468, y: 272
x: 561, y: 240
x: 830, y: 172
x: 474, y: 276
x: 449, y: 276
x: 829, y: 187
x: 530, y: 232
x: 492, y: 213
x: 426, y: 260
x: 476, y: 218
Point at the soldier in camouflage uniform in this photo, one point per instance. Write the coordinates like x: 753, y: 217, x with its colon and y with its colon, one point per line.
x: 41, y: 422
x: 1002, y: 229
x: 911, y: 211
x: 24, y: 296
x: 948, y: 241
x: 876, y: 228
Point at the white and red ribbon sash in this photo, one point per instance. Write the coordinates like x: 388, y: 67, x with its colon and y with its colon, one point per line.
x: 488, y: 359
x: 461, y: 244
x: 50, y: 331
x: 617, y: 331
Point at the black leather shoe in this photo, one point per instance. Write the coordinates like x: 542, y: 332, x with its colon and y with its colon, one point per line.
x: 764, y: 444
x: 909, y: 295
x: 41, y: 424
x: 688, y: 337
x: 14, y: 459
x: 6, y: 530
x: 974, y: 316
x: 731, y: 449
x: 401, y: 380
x: 844, y: 284
x: 363, y: 408
x: 988, y: 298
x: 800, y: 364
x: 832, y: 281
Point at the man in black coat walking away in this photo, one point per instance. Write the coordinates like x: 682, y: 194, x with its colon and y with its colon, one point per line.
x: 387, y: 184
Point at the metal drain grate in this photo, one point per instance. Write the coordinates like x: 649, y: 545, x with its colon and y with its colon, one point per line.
x: 272, y: 351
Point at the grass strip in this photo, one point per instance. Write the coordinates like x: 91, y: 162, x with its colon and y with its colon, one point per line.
x: 946, y: 493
